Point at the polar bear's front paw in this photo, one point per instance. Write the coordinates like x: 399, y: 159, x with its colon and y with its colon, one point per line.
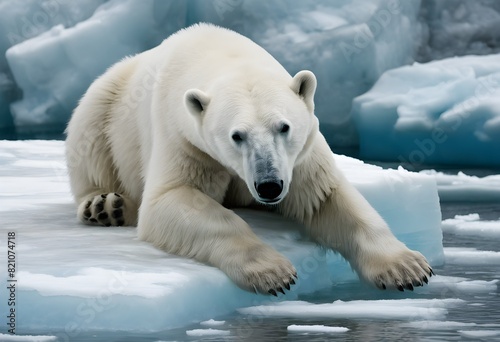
x: 404, y: 270
x: 104, y: 210
x: 262, y: 270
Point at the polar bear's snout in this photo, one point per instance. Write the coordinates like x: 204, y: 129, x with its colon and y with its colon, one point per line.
x: 270, y: 184
x: 269, y: 191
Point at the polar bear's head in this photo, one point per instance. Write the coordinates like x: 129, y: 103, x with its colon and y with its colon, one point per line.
x: 258, y: 128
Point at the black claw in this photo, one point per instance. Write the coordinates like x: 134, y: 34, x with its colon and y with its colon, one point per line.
x: 117, y: 195
x: 102, y: 216
x: 104, y: 195
x: 108, y: 224
x: 295, y: 275
x: 384, y: 287
x: 271, y: 291
x: 431, y: 272
x: 292, y: 281
x: 93, y: 220
x: 117, y: 213
x: 87, y: 213
x: 118, y: 203
x: 120, y: 223
x: 87, y: 205
x: 417, y: 283
x: 287, y: 286
x: 401, y: 288
x: 409, y: 286
x: 426, y: 280
x: 281, y: 290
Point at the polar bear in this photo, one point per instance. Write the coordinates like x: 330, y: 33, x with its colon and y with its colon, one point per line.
x: 172, y: 138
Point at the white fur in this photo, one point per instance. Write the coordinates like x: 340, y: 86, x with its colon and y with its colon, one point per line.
x: 191, y: 128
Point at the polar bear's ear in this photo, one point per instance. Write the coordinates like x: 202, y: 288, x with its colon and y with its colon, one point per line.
x: 304, y: 84
x: 196, y: 101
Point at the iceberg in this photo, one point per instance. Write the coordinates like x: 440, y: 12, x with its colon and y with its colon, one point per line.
x: 442, y: 112
x: 55, y: 68
x: 459, y: 28
x: 20, y: 21
x: 73, y: 278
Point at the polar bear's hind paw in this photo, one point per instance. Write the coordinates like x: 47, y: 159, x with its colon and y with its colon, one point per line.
x: 103, y: 210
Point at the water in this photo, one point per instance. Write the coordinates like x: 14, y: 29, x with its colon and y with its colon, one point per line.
x: 480, y: 308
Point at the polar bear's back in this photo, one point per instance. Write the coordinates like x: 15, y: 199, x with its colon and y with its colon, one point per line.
x: 206, y: 44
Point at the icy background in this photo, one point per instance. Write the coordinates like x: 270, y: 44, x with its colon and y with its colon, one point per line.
x: 441, y: 112
x: 51, y: 50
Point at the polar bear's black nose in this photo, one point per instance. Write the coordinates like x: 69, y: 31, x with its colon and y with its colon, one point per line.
x: 269, y: 190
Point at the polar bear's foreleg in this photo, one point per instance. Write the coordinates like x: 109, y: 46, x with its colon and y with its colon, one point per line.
x: 337, y: 216
x: 347, y: 223
x: 186, y: 222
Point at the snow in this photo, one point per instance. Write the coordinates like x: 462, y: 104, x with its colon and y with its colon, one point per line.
x: 315, y: 329
x: 397, y: 309
x: 75, y: 278
x: 470, y: 256
x: 207, y: 332
x: 445, y: 112
x: 463, y: 187
x: 470, y: 225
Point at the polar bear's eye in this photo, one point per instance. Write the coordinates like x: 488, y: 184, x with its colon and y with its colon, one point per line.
x: 237, y: 137
x: 285, y: 128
